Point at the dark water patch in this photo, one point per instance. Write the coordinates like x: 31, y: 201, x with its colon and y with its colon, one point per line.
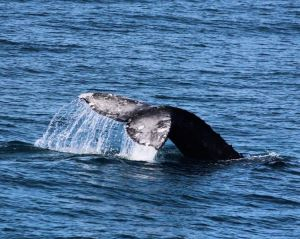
x: 27, y: 47
x: 229, y: 219
x: 15, y: 119
x: 8, y: 42
x: 38, y: 14
x: 276, y: 164
x: 273, y: 199
x: 18, y: 147
x: 44, y: 48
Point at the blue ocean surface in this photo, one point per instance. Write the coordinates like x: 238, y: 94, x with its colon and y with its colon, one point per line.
x: 236, y: 64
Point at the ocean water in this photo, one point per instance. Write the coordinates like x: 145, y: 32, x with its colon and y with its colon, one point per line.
x: 236, y: 64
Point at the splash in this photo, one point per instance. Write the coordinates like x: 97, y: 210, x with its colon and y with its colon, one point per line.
x: 135, y: 151
x: 75, y: 128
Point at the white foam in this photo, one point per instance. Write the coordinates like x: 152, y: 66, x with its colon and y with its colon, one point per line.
x: 134, y: 151
x: 76, y: 128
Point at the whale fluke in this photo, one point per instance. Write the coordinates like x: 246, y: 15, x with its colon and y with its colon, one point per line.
x: 150, y: 127
x: 153, y: 125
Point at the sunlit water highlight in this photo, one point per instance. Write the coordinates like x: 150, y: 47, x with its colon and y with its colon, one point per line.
x: 75, y: 128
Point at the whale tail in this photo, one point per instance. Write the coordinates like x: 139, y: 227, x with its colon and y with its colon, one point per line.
x: 153, y: 125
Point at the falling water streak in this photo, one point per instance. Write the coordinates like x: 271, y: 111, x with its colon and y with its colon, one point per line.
x: 75, y: 128
x: 52, y: 124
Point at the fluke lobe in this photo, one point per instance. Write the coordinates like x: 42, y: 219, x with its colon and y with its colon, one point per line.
x: 152, y: 125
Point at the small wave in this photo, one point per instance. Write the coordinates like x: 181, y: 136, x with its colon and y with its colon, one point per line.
x: 273, y: 199
x: 8, y: 42
x: 271, y: 159
x: 38, y: 47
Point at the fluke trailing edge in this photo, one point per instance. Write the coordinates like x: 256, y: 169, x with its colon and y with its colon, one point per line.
x: 153, y: 125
